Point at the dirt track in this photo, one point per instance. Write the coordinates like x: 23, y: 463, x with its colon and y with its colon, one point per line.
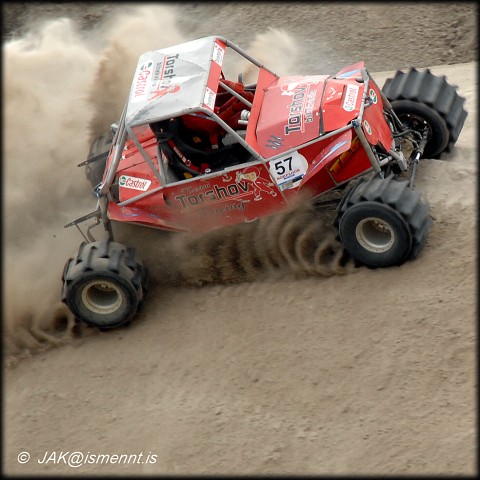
x: 366, y: 373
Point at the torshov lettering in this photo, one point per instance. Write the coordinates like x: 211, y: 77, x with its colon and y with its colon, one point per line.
x: 214, y: 194
x: 168, y: 71
x: 295, y: 110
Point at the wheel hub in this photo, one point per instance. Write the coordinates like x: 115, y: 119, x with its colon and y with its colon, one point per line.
x: 375, y: 235
x: 102, y: 297
x: 417, y: 123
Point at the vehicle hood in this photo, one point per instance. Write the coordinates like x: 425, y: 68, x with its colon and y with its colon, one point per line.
x: 298, y: 109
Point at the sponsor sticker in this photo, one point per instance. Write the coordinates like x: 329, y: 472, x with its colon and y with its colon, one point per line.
x: 134, y: 183
x: 143, y: 77
x: 373, y: 95
x: 206, y: 194
x: 367, y: 127
x: 209, y: 99
x: 351, y: 94
x: 300, y: 110
x: 218, y: 53
x: 163, y: 91
x: 289, y: 170
x: 154, y: 81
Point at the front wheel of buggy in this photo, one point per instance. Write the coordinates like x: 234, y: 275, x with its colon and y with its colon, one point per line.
x: 382, y: 222
x: 375, y: 234
x: 104, y: 284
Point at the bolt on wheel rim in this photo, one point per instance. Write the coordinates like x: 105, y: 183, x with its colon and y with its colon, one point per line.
x: 375, y: 235
x: 102, y: 297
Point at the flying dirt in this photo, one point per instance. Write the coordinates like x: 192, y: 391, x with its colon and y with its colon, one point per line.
x: 64, y: 113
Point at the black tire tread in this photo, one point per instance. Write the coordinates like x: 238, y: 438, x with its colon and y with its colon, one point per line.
x: 433, y: 91
x: 397, y: 195
x: 120, y: 260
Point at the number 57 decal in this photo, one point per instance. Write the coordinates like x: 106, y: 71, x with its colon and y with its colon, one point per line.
x: 284, y: 165
x: 289, y: 170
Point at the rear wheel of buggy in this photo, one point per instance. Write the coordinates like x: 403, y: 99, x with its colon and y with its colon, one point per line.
x: 103, y: 285
x: 382, y: 223
x: 422, y: 99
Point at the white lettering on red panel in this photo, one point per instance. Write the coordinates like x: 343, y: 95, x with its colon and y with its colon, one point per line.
x: 300, y: 110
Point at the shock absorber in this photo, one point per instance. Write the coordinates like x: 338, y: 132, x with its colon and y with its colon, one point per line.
x: 416, y: 159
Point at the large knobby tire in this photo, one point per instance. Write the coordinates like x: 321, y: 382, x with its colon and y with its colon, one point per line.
x: 104, y: 284
x: 419, y: 97
x: 382, y: 222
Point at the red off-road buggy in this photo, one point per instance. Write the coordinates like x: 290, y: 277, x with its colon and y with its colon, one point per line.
x: 195, y: 151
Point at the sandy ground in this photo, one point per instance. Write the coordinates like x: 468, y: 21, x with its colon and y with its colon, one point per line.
x: 372, y: 372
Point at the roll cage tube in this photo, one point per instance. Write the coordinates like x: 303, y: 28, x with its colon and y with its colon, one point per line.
x: 146, y: 157
x: 244, y: 54
x: 236, y: 94
x: 117, y: 145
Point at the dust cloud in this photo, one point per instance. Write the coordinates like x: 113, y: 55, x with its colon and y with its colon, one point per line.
x: 62, y: 88
x: 300, y: 241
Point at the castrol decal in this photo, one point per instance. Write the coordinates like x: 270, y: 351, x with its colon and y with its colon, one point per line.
x: 143, y: 77
x: 134, y: 183
x: 351, y: 94
x: 367, y: 127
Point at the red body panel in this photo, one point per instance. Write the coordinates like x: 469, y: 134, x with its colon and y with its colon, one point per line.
x: 341, y: 103
x: 318, y: 179
x: 289, y: 114
x: 232, y: 197
x: 204, y: 202
x: 265, y: 79
x: 350, y: 163
x: 374, y: 125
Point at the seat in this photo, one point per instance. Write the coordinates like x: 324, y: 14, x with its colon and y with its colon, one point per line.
x: 190, y: 152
